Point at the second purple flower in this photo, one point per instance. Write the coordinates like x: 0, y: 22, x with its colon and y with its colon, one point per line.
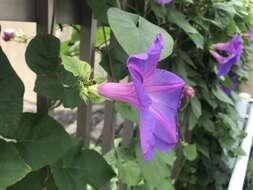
x: 232, y: 49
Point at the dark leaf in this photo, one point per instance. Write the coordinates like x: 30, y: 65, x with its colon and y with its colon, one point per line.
x: 41, y: 140
x: 12, y: 166
x: 11, y: 97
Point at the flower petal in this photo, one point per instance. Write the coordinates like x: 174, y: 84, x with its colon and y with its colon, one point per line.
x: 217, y: 56
x: 167, y: 119
x: 155, y: 133
x: 165, y: 88
x: 142, y: 97
x: 166, y: 133
x: 146, y: 63
x: 222, y: 46
x: 225, y: 66
x: 147, y: 126
x: 234, y: 46
x: 120, y: 92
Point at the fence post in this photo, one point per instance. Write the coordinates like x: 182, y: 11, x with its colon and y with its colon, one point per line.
x: 45, y: 10
x: 108, y: 130
x: 87, y: 52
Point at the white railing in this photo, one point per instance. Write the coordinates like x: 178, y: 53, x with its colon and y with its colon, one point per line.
x: 245, y: 109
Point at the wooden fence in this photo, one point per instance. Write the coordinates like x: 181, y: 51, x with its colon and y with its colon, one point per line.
x: 45, y: 13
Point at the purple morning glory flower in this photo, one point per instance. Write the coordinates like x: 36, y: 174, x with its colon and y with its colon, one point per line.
x: 163, y: 2
x: 8, y: 34
x: 234, y: 82
x: 250, y: 34
x: 233, y: 50
x: 156, y: 94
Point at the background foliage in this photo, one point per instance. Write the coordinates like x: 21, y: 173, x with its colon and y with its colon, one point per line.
x: 36, y: 152
x: 209, y: 135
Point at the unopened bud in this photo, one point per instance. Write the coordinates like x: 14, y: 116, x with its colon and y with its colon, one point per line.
x: 189, y: 91
x: 9, y: 34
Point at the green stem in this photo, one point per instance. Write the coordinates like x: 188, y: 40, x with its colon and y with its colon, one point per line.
x: 108, y: 50
x: 119, y: 4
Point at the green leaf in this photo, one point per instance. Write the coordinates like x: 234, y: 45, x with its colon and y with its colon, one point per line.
x: 66, y: 77
x: 91, y: 94
x: 227, y: 7
x: 54, y: 80
x: 100, y: 8
x: 135, y: 34
x: 204, y: 150
x: 33, y: 181
x: 220, y: 95
x: 87, y: 167
x: 238, y: 151
x: 41, y: 140
x: 166, y: 184
x: 42, y: 54
x: 190, y: 151
x: 226, y: 81
x: 71, y: 89
x: 180, y: 68
x: 130, y: 173
x: 207, y: 124
x: 179, y: 19
x: 80, y: 87
x: 49, y: 87
x: 102, y: 35
x: 12, y: 166
x: 114, y: 62
x: 67, y: 178
x: 167, y: 157
x: 51, y: 184
x: 70, y: 47
x: 228, y: 121
x: 95, y: 169
x: 156, y: 164
x: 126, y: 111
x: 77, y: 67
x: 72, y: 97
x: 196, y: 107
x: 193, y: 120
x: 11, y: 97
x: 141, y: 187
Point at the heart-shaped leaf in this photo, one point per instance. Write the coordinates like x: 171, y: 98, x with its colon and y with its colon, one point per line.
x: 11, y: 97
x: 12, y: 166
x: 135, y: 34
x: 41, y: 140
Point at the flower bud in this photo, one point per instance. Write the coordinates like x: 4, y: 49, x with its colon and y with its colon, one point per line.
x: 8, y: 34
x: 189, y: 91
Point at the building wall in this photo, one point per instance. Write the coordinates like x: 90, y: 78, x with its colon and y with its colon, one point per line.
x: 16, y: 54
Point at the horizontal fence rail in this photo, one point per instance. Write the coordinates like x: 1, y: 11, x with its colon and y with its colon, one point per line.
x: 67, y: 11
